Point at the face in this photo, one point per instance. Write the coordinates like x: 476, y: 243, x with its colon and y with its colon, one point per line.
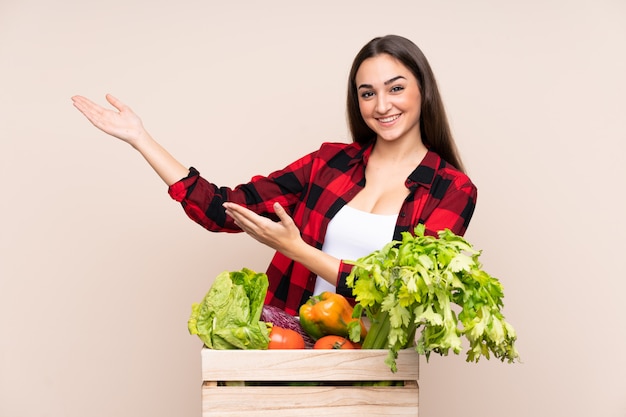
x: 389, y: 98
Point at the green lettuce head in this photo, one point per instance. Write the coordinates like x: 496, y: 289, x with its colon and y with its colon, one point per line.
x: 229, y: 315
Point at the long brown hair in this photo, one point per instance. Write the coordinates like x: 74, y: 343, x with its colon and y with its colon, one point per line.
x: 434, y: 126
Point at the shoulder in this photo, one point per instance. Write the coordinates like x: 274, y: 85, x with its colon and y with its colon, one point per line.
x: 434, y: 168
x: 340, y: 147
x: 448, y: 171
x: 345, y: 152
x: 330, y: 155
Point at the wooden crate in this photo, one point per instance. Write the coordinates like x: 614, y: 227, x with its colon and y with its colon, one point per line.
x: 267, y: 372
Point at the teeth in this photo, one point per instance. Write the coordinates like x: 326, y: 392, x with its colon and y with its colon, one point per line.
x: 389, y: 119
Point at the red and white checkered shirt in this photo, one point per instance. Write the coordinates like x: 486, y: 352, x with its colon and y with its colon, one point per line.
x: 312, y: 190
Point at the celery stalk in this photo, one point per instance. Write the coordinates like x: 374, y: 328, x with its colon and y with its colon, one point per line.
x: 378, y: 332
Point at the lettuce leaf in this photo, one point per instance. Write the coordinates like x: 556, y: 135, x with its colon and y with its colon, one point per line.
x: 229, y: 315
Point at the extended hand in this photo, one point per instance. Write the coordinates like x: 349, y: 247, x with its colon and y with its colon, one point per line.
x: 282, y: 236
x: 123, y: 124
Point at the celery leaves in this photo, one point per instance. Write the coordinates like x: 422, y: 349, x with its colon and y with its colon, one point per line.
x: 434, y: 285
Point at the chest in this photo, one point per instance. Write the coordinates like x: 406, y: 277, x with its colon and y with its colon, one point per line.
x: 384, y: 191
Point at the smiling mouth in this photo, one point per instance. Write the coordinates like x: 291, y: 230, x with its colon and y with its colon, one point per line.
x: 389, y: 119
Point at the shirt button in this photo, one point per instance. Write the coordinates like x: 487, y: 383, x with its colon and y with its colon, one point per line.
x: 402, y: 214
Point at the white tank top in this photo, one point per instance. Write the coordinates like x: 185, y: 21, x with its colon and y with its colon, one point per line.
x: 352, y: 234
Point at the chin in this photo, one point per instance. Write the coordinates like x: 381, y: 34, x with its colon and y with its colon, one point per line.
x: 387, y: 137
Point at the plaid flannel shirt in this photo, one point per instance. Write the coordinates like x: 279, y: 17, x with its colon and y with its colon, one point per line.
x: 312, y: 190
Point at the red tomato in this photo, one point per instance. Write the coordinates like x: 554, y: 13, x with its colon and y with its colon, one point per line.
x: 281, y: 338
x: 334, y: 342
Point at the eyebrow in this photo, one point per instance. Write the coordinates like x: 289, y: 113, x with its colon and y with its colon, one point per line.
x: 389, y: 81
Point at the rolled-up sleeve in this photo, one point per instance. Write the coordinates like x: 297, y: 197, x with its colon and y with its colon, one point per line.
x: 342, y: 287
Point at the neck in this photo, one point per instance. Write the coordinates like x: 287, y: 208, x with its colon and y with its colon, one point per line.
x: 411, y: 152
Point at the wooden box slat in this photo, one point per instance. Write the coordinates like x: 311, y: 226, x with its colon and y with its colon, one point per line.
x: 334, y: 369
x: 309, y: 401
x: 306, y: 364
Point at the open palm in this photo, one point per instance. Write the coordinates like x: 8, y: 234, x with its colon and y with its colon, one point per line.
x: 123, y: 123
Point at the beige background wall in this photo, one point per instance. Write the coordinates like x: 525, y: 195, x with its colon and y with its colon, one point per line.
x: 98, y: 268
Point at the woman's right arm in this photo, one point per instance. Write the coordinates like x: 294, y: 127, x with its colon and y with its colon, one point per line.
x: 125, y: 125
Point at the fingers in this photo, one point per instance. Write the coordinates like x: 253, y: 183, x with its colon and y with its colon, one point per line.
x: 85, y: 105
x: 82, y: 103
x: 259, y: 227
x: 90, y: 109
x: 116, y: 103
x: 240, y: 215
x: 282, y: 214
x: 249, y: 221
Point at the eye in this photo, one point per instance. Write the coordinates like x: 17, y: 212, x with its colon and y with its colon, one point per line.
x: 367, y: 94
x: 397, y: 88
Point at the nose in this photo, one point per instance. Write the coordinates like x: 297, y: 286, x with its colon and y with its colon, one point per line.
x: 383, y: 105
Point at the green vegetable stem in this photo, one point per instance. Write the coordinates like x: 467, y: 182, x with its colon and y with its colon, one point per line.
x: 420, y: 283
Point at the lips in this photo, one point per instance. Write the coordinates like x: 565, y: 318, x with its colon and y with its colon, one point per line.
x: 389, y: 119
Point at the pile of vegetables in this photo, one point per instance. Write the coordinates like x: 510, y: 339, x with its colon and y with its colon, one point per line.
x: 423, y: 291
x: 434, y: 285
x: 232, y: 316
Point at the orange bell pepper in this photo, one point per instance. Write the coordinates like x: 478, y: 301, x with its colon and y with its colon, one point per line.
x: 327, y: 314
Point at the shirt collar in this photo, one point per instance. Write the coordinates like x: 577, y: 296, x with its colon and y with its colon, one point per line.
x: 425, y: 172
x: 363, y: 154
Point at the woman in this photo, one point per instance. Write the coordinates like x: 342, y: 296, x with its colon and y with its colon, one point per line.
x: 342, y: 201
